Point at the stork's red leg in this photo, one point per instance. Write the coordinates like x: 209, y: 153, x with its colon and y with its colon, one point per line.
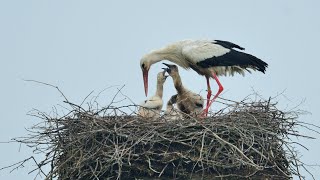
x: 209, y: 102
x: 220, y: 88
x: 205, y: 112
x: 209, y: 91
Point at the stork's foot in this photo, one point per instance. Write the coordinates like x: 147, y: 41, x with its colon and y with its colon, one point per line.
x: 204, y: 113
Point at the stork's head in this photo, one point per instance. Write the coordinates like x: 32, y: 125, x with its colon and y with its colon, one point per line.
x: 151, y: 58
x: 145, y: 64
x: 172, y: 69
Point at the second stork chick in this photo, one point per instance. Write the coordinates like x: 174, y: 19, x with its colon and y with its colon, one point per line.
x: 186, y: 100
x: 152, y: 106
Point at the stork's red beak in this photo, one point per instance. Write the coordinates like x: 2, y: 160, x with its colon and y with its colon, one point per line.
x: 145, y: 80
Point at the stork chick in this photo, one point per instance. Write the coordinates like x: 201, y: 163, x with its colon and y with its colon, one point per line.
x: 186, y: 100
x: 152, y: 106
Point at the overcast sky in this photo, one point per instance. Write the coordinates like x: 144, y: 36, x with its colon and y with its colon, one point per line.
x: 81, y: 46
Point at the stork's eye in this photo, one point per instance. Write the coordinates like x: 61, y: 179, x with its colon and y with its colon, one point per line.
x: 143, y: 65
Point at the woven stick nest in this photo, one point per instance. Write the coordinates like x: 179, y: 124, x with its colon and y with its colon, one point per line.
x: 245, y: 140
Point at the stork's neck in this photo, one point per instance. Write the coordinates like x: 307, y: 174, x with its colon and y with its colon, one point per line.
x: 168, y: 53
x: 159, y: 91
x: 178, y: 84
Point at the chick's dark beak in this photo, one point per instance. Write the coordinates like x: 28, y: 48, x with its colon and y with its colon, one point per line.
x: 168, y: 65
x: 168, y: 70
x: 164, y: 73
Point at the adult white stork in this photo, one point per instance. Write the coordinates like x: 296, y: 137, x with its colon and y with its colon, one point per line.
x: 207, y: 58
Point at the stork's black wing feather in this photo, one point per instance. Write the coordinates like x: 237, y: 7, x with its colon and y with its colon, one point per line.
x: 235, y: 58
x: 172, y: 100
x: 228, y: 44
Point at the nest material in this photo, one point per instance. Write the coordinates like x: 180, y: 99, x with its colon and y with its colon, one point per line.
x: 244, y: 140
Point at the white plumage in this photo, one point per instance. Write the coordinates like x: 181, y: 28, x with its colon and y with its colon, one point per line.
x: 152, y: 106
x: 196, y: 51
x: 207, y: 58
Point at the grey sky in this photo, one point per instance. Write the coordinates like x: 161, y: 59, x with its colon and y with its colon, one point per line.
x: 82, y: 46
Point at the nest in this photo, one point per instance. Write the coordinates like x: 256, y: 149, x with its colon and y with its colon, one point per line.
x: 247, y: 139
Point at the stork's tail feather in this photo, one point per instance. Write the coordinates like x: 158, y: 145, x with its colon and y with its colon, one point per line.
x: 235, y: 58
x: 258, y: 63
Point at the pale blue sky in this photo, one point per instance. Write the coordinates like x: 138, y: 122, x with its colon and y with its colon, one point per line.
x: 82, y: 46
